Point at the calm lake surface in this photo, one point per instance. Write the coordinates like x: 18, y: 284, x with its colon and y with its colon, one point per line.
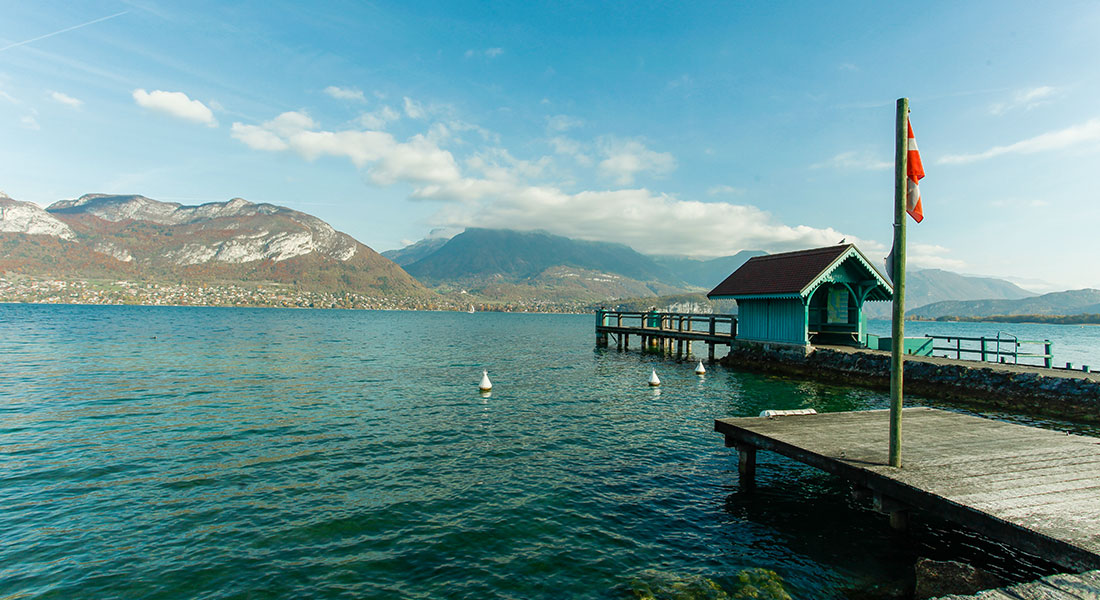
x: 170, y: 452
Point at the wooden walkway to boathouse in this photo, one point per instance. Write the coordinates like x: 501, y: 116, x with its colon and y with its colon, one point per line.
x: 1034, y: 489
x: 662, y: 331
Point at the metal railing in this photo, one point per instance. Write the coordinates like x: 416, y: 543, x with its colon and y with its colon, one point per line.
x: 1003, y: 348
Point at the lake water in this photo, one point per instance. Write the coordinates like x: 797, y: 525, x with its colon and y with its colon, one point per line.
x: 170, y: 452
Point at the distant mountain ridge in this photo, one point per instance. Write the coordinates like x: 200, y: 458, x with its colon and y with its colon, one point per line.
x: 1073, y: 302
x: 926, y: 286
x: 104, y: 236
x: 414, y: 252
x: 131, y: 236
x: 514, y: 255
x: 490, y: 260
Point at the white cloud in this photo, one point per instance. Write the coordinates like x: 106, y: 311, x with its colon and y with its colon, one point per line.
x: 1088, y: 131
x: 493, y: 188
x: 931, y: 256
x: 560, y: 123
x: 627, y: 158
x: 1026, y: 99
x: 413, y: 109
x: 657, y: 223
x: 176, y: 104
x: 571, y: 148
x: 361, y: 147
x: 499, y: 164
x: 29, y: 122
x: 487, y: 53
x: 345, y: 93
x: 418, y: 160
x: 66, y: 99
x: 379, y: 118
x: 854, y: 161
x: 724, y: 190
x: 290, y: 123
x: 257, y: 137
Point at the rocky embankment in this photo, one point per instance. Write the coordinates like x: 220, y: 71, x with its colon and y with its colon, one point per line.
x: 1016, y: 388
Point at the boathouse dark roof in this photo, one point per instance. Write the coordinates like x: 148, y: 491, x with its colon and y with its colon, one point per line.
x: 788, y: 273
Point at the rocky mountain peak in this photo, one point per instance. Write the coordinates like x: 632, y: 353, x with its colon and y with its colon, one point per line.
x: 31, y: 219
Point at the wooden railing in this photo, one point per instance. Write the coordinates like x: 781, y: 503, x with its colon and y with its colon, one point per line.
x: 662, y: 329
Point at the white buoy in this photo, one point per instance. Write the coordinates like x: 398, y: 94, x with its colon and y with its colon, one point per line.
x: 485, y: 384
x: 653, y: 379
x: 700, y: 370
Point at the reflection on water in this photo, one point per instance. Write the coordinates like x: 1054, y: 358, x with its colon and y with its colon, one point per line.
x: 188, y: 452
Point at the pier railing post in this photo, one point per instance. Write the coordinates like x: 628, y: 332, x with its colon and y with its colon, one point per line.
x: 601, y: 335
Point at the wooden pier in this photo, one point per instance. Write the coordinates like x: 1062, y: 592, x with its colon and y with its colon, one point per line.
x: 1034, y: 489
x: 665, y: 332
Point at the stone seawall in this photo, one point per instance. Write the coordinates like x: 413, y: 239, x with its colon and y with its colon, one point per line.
x: 1017, y: 388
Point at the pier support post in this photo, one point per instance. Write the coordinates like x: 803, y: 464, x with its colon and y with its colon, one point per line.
x: 746, y: 464
x: 746, y: 461
x: 619, y: 341
x: 601, y: 340
x: 898, y: 513
x: 679, y: 349
x: 710, y: 351
x: 626, y: 341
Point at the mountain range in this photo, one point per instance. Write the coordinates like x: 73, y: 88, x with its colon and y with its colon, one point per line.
x: 102, y: 236
x: 1073, y: 302
x: 134, y: 237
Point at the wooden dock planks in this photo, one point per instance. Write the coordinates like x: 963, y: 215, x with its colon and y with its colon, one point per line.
x: 1035, y: 489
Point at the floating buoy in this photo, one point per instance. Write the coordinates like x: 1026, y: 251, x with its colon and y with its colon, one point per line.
x: 653, y: 379
x: 700, y: 370
x: 485, y: 384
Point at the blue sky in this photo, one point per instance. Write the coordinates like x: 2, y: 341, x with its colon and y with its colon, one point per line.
x: 677, y: 128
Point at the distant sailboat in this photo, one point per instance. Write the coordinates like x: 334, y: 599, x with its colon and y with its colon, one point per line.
x: 471, y: 309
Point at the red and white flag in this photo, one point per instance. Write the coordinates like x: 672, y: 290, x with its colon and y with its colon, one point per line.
x: 914, y: 173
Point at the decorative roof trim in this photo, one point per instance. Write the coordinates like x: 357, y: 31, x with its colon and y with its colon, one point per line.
x: 790, y: 296
x: 852, y: 251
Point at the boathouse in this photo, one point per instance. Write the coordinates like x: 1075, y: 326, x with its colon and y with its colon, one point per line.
x: 803, y: 297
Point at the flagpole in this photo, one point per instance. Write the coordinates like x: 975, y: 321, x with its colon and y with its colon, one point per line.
x: 897, y: 334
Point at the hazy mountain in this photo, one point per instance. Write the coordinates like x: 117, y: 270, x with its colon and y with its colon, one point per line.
x: 706, y: 273
x: 1073, y: 302
x: 928, y: 286
x: 414, y: 252
x: 515, y: 256
x: 135, y: 237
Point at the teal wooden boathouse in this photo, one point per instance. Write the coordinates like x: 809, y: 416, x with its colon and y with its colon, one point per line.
x: 805, y: 297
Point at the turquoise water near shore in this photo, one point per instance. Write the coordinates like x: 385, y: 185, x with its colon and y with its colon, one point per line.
x: 173, y: 452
